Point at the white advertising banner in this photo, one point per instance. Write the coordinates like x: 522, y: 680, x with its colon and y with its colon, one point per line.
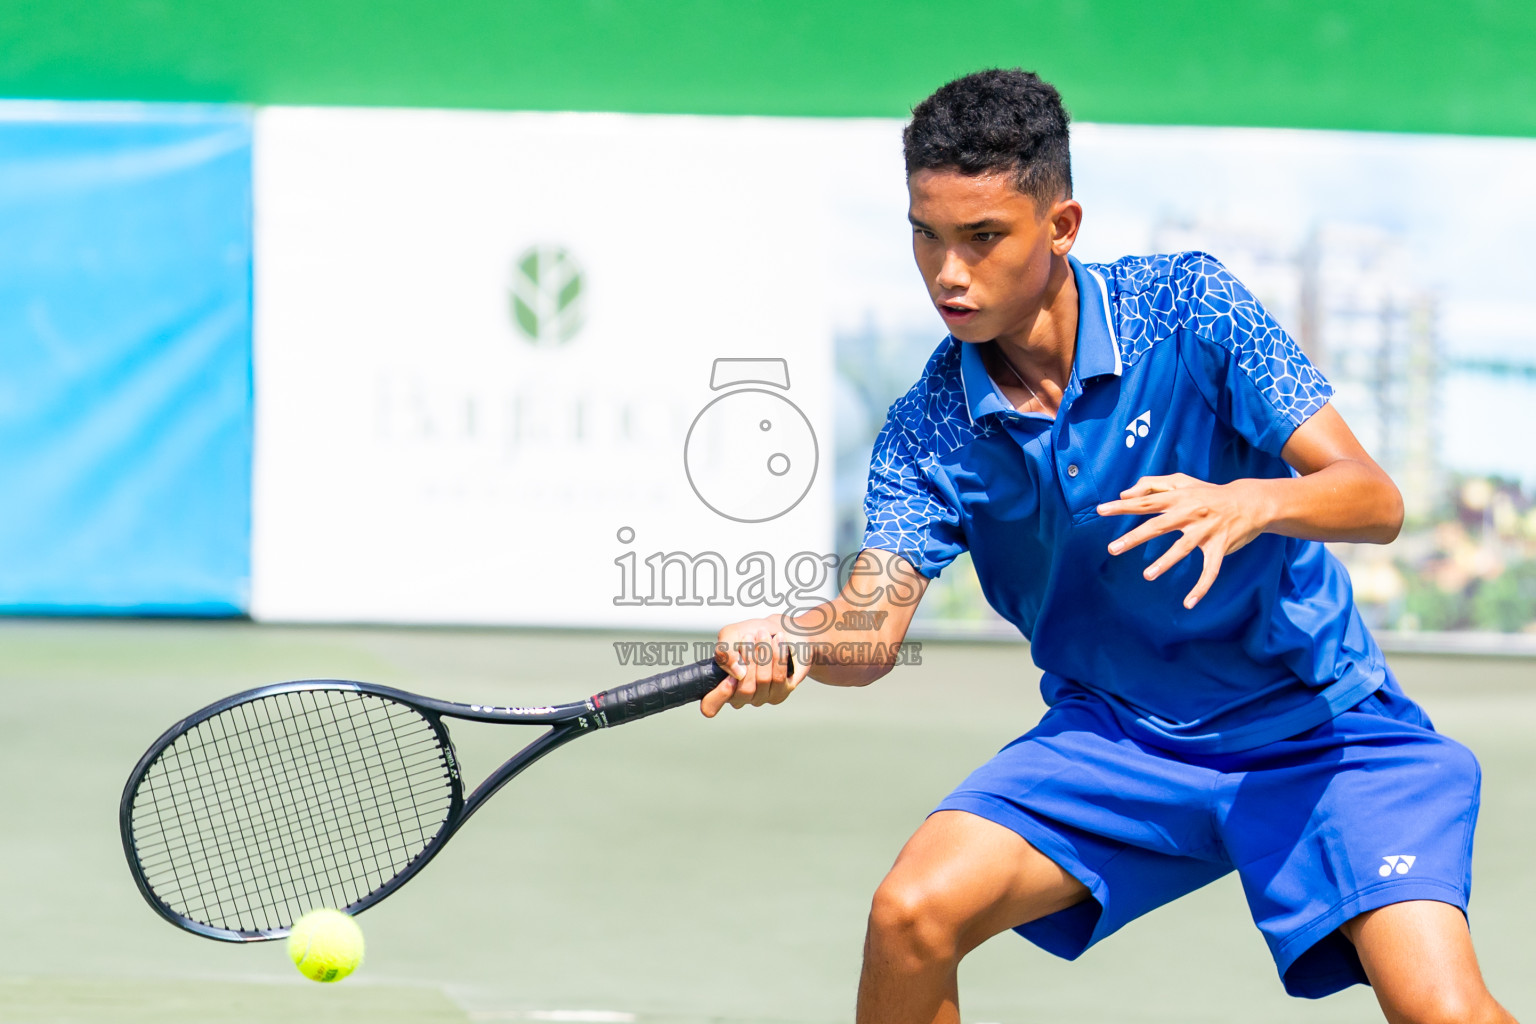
x: 547, y: 369
x: 584, y: 369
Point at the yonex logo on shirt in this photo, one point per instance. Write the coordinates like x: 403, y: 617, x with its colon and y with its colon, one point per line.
x: 1400, y: 864
x: 1138, y: 427
x: 956, y: 469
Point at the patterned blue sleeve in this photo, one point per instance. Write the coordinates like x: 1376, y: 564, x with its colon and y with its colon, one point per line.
x: 1251, y: 372
x: 905, y: 512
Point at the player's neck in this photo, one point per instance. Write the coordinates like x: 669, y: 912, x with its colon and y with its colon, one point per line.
x: 1034, y: 361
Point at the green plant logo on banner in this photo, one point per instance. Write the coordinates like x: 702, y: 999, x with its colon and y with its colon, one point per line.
x: 547, y: 299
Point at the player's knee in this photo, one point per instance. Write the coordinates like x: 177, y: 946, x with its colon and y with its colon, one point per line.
x: 908, y: 920
x: 1451, y: 1004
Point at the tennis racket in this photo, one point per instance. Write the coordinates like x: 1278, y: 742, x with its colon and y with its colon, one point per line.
x: 327, y: 793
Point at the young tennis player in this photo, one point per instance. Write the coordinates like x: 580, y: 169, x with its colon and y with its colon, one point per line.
x: 1144, y: 467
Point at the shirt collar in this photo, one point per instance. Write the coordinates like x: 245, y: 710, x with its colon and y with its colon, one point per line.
x: 1098, y: 348
x: 982, y: 395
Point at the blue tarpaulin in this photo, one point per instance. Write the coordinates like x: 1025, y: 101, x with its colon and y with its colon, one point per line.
x: 125, y: 359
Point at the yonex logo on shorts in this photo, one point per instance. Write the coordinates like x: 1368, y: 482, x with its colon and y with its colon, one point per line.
x: 1400, y: 864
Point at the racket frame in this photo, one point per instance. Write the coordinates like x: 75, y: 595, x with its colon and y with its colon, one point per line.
x: 566, y: 721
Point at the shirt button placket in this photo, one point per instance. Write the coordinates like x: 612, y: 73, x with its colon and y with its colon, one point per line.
x: 1076, y: 478
x: 1072, y: 467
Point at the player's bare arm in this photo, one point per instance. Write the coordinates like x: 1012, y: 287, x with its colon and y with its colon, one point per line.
x: 1341, y: 495
x: 882, y: 589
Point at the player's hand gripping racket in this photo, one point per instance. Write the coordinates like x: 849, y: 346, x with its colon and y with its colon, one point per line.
x: 327, y: 793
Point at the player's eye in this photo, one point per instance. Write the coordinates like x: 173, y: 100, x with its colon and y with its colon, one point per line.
x: 925, y: 233
x: 987, y: 236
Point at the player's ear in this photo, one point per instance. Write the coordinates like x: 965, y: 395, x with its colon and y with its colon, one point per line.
x: 1066, y: 217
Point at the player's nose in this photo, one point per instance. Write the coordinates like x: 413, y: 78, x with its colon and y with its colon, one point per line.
x: 953, y: 273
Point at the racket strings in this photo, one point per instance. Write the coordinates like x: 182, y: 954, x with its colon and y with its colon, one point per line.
x: 288, y: 802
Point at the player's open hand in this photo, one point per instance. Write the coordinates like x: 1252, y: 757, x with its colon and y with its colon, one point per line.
x: 756, y: 655
x: 1215, y: 519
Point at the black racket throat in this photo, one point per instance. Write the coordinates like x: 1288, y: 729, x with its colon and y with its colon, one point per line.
x: 328, y: 793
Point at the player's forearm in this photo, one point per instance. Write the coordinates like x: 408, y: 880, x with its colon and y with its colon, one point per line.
x: 1344, y: 501
x: 856, y: 637
x: 851, y: 640
x: 847, y: 645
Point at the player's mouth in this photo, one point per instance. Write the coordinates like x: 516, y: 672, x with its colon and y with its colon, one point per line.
x: 957, y: 312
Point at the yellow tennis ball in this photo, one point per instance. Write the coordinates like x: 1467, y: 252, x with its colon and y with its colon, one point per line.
x: 325, y: 945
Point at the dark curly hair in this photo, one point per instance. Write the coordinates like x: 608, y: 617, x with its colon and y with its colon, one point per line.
x: 995, y: 120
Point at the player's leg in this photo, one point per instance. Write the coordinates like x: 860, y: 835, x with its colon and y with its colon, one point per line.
x: 1419, y: 958
x: 959, y: 880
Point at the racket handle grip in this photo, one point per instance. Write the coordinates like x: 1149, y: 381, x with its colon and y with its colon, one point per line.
x: 658, y: 693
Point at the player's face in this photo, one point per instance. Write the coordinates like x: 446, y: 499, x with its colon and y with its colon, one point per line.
x: 986, y: 249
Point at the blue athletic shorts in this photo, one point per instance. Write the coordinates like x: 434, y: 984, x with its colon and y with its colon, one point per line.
x: 1372, y: 808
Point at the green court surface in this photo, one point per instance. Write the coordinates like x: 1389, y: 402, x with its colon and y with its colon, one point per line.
x: 676, y: 870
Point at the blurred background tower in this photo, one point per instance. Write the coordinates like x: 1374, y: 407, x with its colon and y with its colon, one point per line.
x: 1348, y: 295
x: 1372, y: 328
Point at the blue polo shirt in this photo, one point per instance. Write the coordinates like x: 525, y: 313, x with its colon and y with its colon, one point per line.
x: 1178, y: 369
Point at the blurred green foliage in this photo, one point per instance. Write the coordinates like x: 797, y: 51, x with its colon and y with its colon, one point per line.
x: 1431, y: 608
x: 1506, y: 603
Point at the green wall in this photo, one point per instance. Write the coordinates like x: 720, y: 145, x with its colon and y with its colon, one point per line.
x: 1408, y: 66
